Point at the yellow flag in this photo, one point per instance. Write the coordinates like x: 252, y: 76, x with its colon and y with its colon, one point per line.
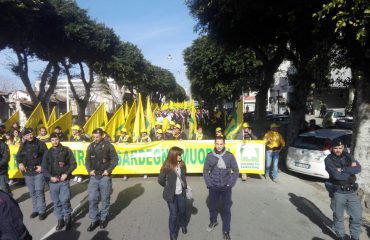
x: 98, y: 119
x: 126, y: 111
x: 36, y: 119
x: 236, y: 122
x: 192, y: 121
x: 13, y: 119
x: 52, y: 117
x: 139, y: 123
x: 165, y: 124
x: 64, y: 122
x: 116, y: 123
x: 149, y: 120
x: 130, y: 118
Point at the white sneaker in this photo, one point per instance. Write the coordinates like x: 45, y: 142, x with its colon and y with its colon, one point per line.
x: 11, y: 181
x: 79, y: 179
x: 145, y: 176
x: 125, y: 178
x: 75, y: 179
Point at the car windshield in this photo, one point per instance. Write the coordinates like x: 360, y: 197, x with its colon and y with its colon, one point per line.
x: 311, y: 143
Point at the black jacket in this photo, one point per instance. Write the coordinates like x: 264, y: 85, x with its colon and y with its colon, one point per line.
x: 30, y: 153
x: 167, y: 178
x: 347, y: 173
x: 4, y: 158
x: 101, y: 156
x: 57, y: 161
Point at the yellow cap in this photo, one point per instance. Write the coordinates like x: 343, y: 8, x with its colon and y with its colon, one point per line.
x: 123, y: 130
x: 218, y: 129
x: 75, y: 127
x: 274, y: 125
x: 159, y: 130
x: 143, y: 130
x: 246, y: 125
x: 178, y: 126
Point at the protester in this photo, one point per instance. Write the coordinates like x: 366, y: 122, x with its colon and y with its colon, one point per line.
x: 173, y: 178
x: 4, y: 164
x: 101, y: 159
x: 274, y: 144
x: 2, y: 131
x: 219, y: 132
x: 43, y: 135
x: 17, y: 137
x: 159, y: 135
x: 57, y: 166
x: 29, y: 158
x: 343, y: 190
x: 178, y: 134
x: 220, y: 173
x: 143, y: 136
x: 123, y: 137
x: 199, y: 134
x: 62, y: 137
x: 12, y: 226
x: 76, y: 135
x: 246, y: 134
x: 9, y: 138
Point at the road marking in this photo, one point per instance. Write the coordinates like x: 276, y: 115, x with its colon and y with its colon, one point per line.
x: 51, y: 231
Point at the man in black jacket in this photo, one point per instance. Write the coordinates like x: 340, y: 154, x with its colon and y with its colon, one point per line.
x: 57, y: 165
x: 4, y: 161
x: 29, y: 158
x: 342, y: 169
x: 101, y: 159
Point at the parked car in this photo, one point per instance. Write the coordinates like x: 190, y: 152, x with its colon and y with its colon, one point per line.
x: 249, y: 116
x: 344, y: 123
x: 307, y: 153
x: 331, y: 117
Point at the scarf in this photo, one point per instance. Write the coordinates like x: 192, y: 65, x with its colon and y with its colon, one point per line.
x: 221, y: 163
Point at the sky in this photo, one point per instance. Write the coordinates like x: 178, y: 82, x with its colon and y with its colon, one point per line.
x: 158, y: 27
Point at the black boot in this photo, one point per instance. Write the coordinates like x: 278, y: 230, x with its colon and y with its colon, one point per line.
x: 60, y: 225
x: 103, y: 224
x: 173, y: 237
x: 92, y: 226
x: 68, y: 223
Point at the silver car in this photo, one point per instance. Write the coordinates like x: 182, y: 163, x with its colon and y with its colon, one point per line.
x: 307, y: 153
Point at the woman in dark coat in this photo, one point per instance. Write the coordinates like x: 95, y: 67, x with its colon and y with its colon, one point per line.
x: 172, y: 178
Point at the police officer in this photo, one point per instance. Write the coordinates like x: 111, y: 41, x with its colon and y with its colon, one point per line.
x: 342, y: 169
x: 57, y: 166
x: 4, y: 161
x: 29, y: 158
x: 101, y: 159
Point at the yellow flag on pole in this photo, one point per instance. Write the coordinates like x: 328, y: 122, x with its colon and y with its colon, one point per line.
x: 36, y: 119
x: 236, y: 122
x: 116, y: 123
x: 149, y: 120
x: 98, y: 119
x: 192, y: 121
x: 126, y: 111
x: 130, y: 118
x: 64, y: 122
x: 139, y: 123
x: 13, y: 119
x: 52, y: 117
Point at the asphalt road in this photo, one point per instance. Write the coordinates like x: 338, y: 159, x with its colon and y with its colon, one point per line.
x: 295, y: 208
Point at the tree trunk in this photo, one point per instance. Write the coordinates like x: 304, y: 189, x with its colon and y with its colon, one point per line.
x: 81, y: 107
x: 361, y: 136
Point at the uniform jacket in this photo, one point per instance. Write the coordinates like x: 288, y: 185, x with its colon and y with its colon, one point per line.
x: 57, y: 161
x: 4, y: 158
x: 167, y: 178
x: 31, y: 153
x: 101, y: 156
x: 216, y: 177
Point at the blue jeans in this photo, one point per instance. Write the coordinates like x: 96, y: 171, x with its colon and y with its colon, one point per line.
x: 100, y: 187
x: 60, y: 193
x: 272, y: 158
x: 35, y: 184
x: 351, y: 203
x: 214, y: 195
x: 177, y: 206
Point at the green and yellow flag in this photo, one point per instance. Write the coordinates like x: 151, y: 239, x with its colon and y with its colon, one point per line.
x: 149, y: 120
x: 64, y: 122
x: 116, y: 123
x: 98, y: 119
x: 126, y: 111
x: 13, y: 119
x: 52, y: 117
x: 236, y: 122
x: 130, y: 118
x: 139, y: 123
x: 192, y: 121
x: 36, y: 119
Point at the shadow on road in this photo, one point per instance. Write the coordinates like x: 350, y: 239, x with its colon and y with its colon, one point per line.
x: 190, y: 210
x: 101, y: 235
x: 63, y: 235
x: 23, y: 197
x: 307, y: 208
x: 78, y: 188
x: 124, y: 198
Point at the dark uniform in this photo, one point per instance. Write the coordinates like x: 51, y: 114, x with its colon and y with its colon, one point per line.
x: 30, y: 154
x: 11, y: 217
x: 342, y: 188
x: 4, y: 161
x: 100, y: 157
x: 57, y: 161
